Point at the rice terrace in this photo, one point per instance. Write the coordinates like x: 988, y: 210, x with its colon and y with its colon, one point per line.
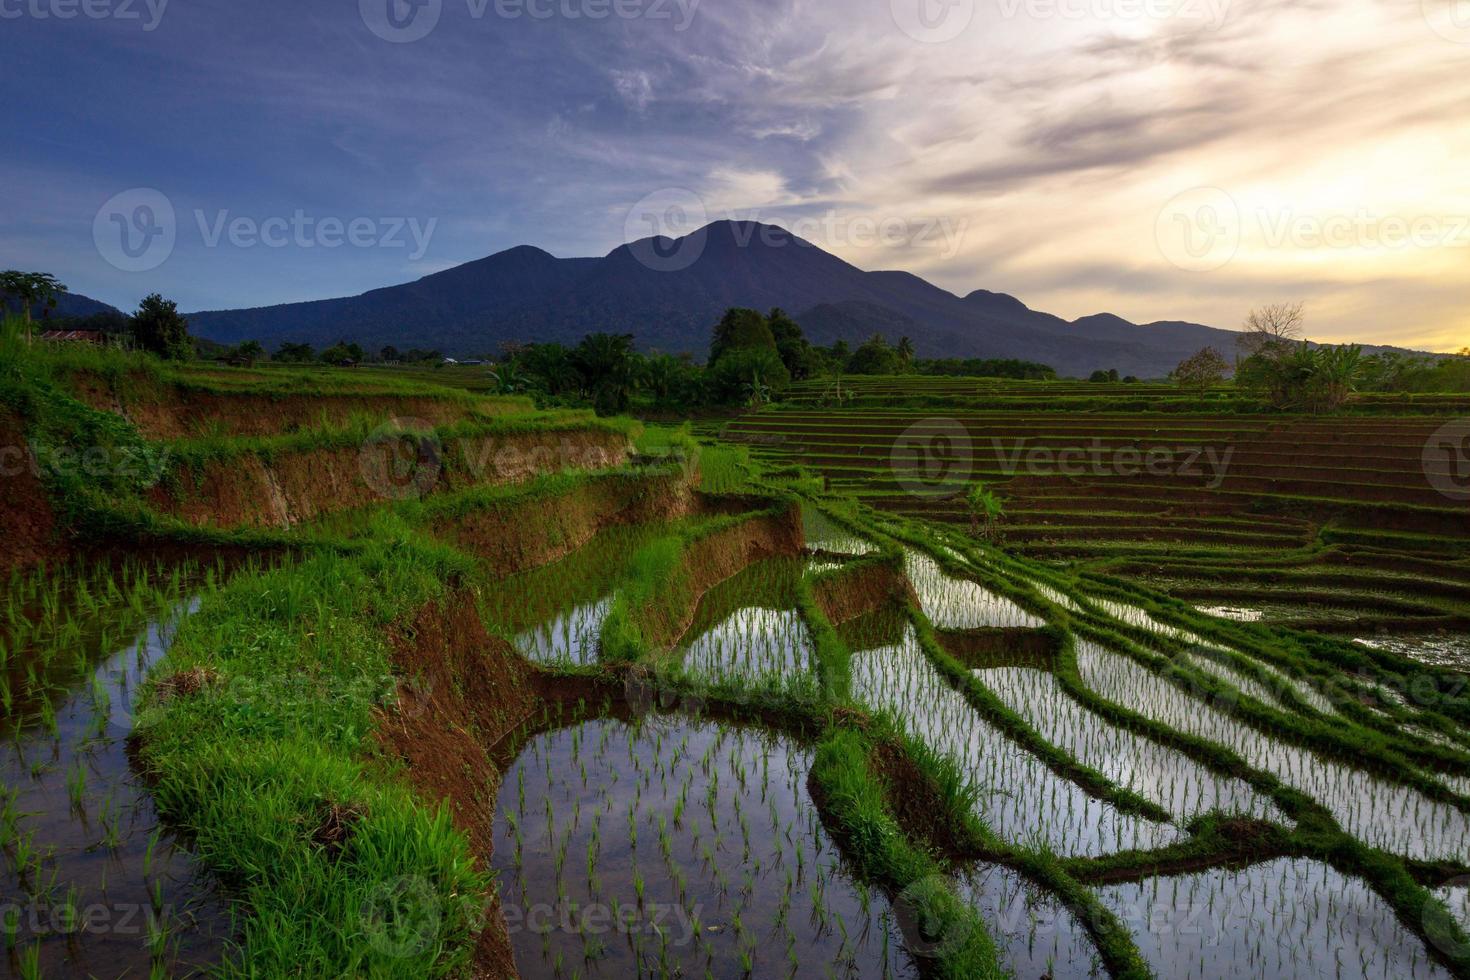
x: 553, y: 490
x: 373, y: 673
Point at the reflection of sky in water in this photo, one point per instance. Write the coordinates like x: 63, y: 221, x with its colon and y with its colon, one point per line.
x: 1377, y: 812
x: 953, y: 603
x: 1020, y: 799
x: 114, y: 892
x: 571, y: 637
x: 1035, y: 934
x: 1161, y: 774
x: 752, y: 643
x: 825, y: 534
x: 715, y: 823
x: 1285, y: 918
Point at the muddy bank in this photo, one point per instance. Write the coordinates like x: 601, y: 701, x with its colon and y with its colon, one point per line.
x: 857, y: 590
x: 527, y: 532
x: 287, y: 488
x: 27, y: 524
x: 461, y: 691
x: 163, y: 410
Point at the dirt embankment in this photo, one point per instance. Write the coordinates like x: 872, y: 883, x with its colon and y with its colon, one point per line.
x: 463, y: 690
x: 711, y: 560
x: 286, y: 488
x: 519, y: 534
x: 855, y: 591
x: 165, y: 411
x: 27, y: 524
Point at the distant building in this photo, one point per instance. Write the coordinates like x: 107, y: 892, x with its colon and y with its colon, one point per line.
x: 75, y: 337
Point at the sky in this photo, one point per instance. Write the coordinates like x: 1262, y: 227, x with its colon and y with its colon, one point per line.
x: 1157, y: 159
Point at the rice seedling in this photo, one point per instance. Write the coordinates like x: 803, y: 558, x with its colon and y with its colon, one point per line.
x: 1279, y: 918
x: 702, y: 894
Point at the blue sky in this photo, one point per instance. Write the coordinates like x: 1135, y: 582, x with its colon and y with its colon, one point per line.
x: 1155, y: 158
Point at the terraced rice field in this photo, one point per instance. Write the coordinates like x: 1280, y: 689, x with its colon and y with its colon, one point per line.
x: 603, y: 713
x: 1340, y: 525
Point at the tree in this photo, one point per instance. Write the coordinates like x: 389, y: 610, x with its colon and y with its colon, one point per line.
x: 248, y: 353
x: 608, y: 370
x: 31, y: 289
x: 740, y: 329
x: 905, y: 351
x: 160, y: 329
x: 289, y: 353
x: 748, y: 375
x: 1201, y: 371
x: 1104, y: 377
x: 802, y: 360
x: 874, y: 356
x: 1272, y: 328
x: 343, y: 353
x: 389, y: 353
x: 986, y: 508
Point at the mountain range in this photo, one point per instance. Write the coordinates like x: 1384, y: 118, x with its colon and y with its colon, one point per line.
x: 668, y: 293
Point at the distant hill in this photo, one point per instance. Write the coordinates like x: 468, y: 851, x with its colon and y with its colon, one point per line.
x: 67, y: 305
x: 651, y: 290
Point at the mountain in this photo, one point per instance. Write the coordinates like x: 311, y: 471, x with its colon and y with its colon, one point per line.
x: 669, y: 292
x: 67, y: 305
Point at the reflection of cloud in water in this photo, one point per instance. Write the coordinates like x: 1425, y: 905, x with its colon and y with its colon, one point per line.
x: 750, y: 644
x: 571, y: 637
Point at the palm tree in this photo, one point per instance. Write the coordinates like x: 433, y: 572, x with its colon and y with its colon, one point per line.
x: 905, y: 351
x: 32, y: 289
